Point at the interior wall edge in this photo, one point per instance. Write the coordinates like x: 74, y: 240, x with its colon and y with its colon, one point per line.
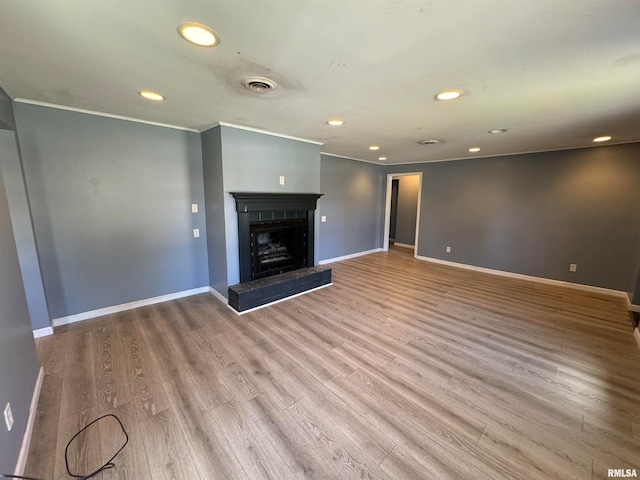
x: 218, y: 295
x: 26, y: 439
x: 23, y: 230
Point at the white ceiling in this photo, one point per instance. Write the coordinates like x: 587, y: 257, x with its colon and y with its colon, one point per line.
x: 555, y: 73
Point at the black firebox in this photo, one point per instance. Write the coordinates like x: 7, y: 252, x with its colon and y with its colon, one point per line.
x: 278, y: 246
x: 275, y: 232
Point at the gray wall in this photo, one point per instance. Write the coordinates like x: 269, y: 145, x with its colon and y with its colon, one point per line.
x: 407, y: 209
x: 535, y: 214
x: 214, y: 201
x: 353, y: 203
x: 23, y: 230
x: 253, y: 162
x: 111, y: 205
x: 18, y: 359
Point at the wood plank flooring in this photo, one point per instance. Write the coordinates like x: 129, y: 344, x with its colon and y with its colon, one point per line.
x: 400, y: 370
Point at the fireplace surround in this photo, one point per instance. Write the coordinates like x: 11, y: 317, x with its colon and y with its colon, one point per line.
x: 276, y: 248
x: 275, y: 232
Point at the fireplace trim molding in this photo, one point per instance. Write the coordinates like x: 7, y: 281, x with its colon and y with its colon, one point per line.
x: 264, y: 202
x: 248, y: 202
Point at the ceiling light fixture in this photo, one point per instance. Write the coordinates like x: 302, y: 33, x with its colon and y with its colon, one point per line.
x: 382, y: 158
x: 432, y: 141
x: 449, y: 94
x: 497, y: 131
x: 335, y: 122
x: 197, y: 34
x: 149, y: 95
x: 374, y: 147
x: 603, y: 138
x: 474, y: 149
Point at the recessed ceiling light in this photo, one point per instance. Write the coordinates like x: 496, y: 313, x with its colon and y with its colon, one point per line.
x: 197, y: 34
x: 449, y: 94
x: 149, y: 95
x: 374, y: 147
x: 496, y: 131
x: 474, y: 149
x: 382, y: 158
x: 603, y: 138
x: 336, y: 122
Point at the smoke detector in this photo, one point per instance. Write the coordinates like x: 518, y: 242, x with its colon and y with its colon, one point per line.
x: 259, y: 84
x: 430, y: 142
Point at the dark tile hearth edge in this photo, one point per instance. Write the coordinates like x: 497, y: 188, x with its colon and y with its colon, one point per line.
x: 246, y: 296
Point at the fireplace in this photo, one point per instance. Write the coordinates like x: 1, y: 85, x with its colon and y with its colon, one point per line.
x: 278, y: 246
x: 275, y: 244
x: 275, y: 233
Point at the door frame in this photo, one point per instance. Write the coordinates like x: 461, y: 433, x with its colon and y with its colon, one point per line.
x: 387, y: 210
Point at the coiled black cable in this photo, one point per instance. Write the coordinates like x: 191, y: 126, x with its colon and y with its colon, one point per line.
x: 106, y: 466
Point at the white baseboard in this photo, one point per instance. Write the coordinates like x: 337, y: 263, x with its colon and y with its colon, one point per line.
x: 547, y: 281
x: 218, y: 295
x: 43, y: 332
x: 347, y: 257
x: 26, y: 438
x: 126, y: 306
x: 636, y: 333
x: 278, y: 301
x: 403, y: 245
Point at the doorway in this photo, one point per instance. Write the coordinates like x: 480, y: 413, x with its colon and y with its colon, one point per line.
x: 402, y: 211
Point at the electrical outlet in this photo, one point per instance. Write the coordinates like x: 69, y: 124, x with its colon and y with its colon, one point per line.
x: 194, y: 208
x: 281, y: 179
x: 573, y: 267
x: 448, y: 249
x: 196, y: 232
x: 8, y: 417
x: 323, y: 218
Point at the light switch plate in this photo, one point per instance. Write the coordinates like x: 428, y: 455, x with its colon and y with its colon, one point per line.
x: 8, y: 417
x: 281, y: 179
x: 196, y: 232
x: 194, y: 208
x: 323, y: 218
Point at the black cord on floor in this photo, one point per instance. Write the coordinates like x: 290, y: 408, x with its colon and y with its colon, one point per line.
x: 106, y: 466
x: 18, y: 476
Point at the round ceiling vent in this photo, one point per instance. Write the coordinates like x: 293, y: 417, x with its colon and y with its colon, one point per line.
x: 430, y: 142
x: 259, y: 84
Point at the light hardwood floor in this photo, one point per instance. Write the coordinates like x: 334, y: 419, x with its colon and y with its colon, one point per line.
x: 400, y: 370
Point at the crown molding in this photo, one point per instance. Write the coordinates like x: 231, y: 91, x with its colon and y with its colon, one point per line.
x: 102, y: 114
x: 379, y: 162
x: 257, y: 130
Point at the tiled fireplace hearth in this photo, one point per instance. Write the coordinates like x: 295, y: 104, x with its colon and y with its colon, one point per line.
x: 276, y: 248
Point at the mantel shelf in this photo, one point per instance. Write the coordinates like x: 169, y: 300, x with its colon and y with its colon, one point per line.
x: 264, y: 202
